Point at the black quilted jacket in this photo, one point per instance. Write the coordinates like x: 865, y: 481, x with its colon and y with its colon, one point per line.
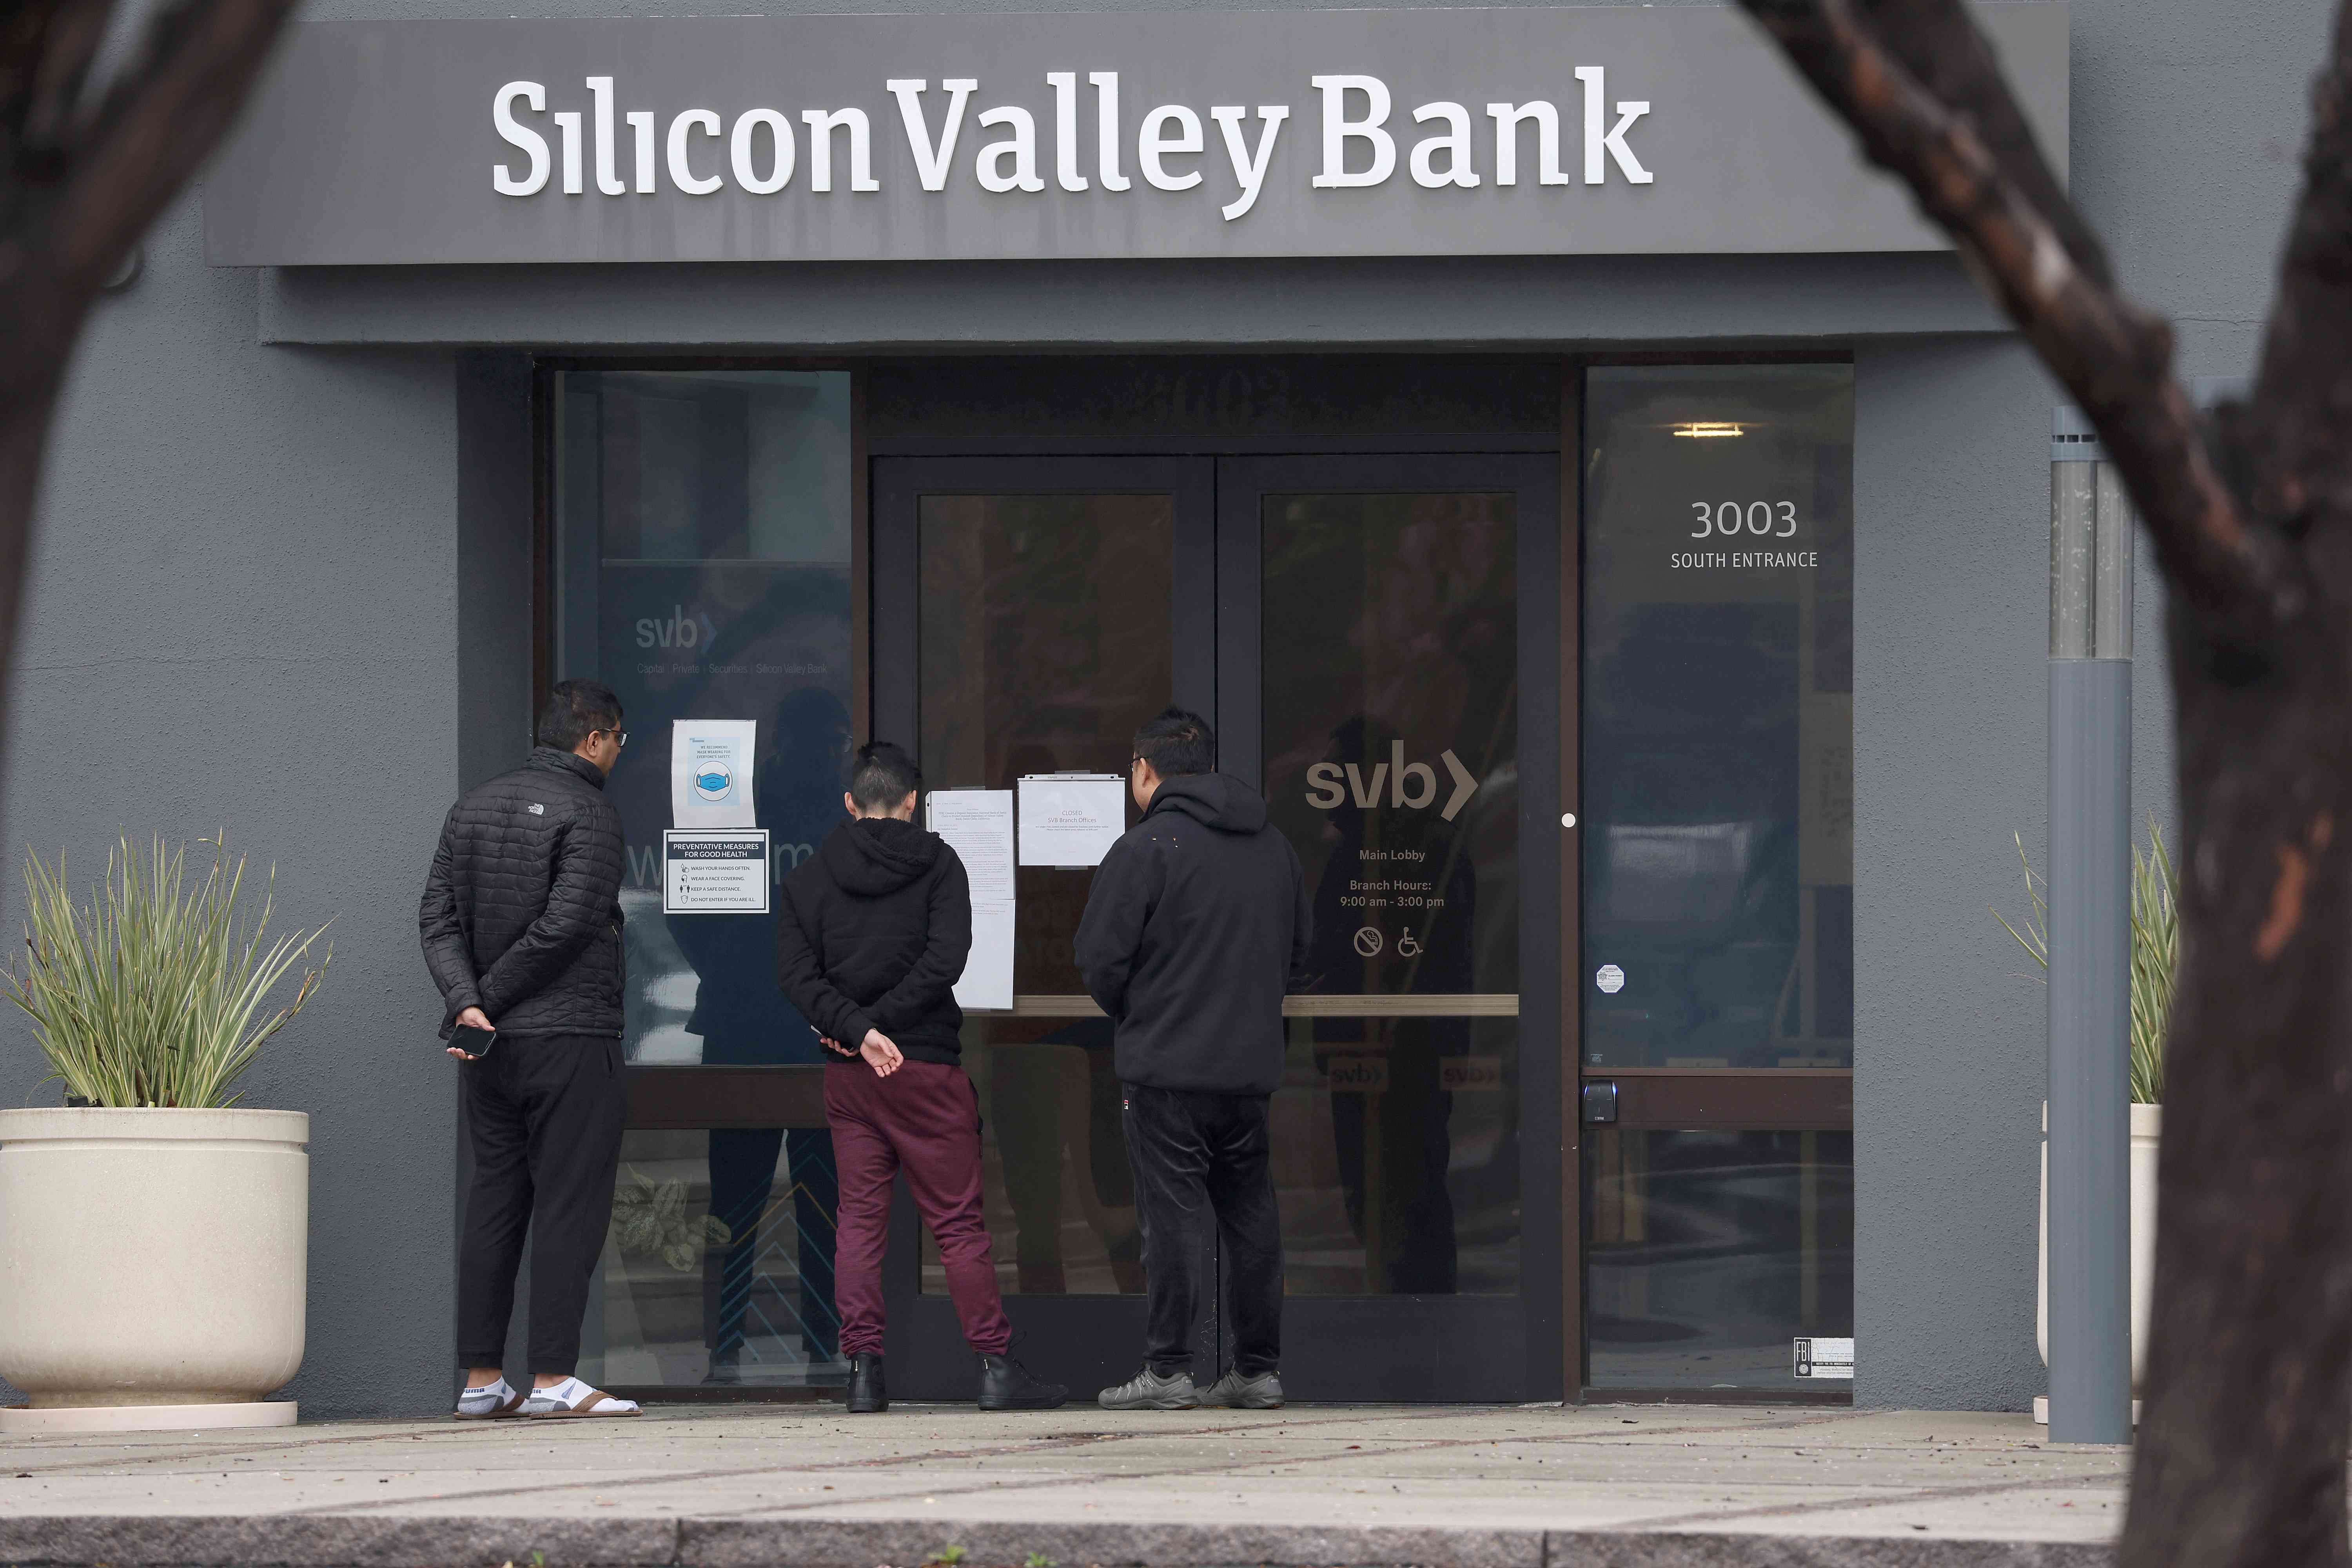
x: 521, y: 915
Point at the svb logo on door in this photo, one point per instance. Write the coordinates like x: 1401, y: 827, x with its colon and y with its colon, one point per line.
x: 1412, y: 786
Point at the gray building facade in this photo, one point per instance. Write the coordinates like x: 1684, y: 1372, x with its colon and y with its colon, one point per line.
x: 317, y: 523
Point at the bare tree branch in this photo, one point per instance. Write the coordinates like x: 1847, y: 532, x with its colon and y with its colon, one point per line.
x: 80, y: 182
x: 2302, y: 463
x: 76, y: 30
x: 157, y: 124
x: 2239, y: 1461
x: 1950, y: 57
x: 2111, y: 355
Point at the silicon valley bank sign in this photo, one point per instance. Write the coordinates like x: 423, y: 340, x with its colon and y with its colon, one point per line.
x: 1524, y: 132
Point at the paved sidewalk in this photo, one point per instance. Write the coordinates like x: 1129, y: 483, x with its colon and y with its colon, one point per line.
x: 808, y: 1487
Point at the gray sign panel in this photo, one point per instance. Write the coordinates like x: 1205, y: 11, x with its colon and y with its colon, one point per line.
x: 1422, y: 133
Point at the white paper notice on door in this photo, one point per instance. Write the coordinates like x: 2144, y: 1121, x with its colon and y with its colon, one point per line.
x: 1071, y: 820
x: 978, y: 826
x: 710, y: 772
x: 986, y: 983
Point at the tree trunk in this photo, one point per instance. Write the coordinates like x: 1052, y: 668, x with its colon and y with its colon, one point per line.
x: 2240, y: 1455
x: 2242, y: 1446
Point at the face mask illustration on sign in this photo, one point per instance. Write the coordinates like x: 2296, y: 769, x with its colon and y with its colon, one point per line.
x: 1409, y: 784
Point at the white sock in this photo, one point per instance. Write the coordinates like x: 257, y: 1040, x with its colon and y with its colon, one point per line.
x: 572, y: 1393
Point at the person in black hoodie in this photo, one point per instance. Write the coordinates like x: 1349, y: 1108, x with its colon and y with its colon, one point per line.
x: 1196, y: 925
x: 871, y: 937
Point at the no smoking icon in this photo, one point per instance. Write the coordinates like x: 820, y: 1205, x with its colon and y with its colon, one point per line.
x: 1368, y: 941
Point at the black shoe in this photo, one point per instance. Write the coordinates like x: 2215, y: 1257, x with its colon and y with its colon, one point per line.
x: 1006, y: 1384
x: 1149, y: 1390
x: 1238, y: 1390
x: 868, y: 1392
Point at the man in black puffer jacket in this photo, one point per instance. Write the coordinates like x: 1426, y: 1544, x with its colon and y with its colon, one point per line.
x: 1195, y: 927
x: 871, y: 936
x: 521, y: 928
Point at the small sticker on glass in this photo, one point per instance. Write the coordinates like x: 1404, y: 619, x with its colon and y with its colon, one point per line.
x: 1609, y: 978
x: 1824, y: 1358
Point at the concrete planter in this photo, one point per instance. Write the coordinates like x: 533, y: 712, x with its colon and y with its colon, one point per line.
x: 153, y: 1266
x: 2146, y: 1127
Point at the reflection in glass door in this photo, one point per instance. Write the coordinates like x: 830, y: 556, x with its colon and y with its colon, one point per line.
x: 1393, y: 665
x: 1041, y: 620
x: 1044, y: 643
x: 1391, y: 724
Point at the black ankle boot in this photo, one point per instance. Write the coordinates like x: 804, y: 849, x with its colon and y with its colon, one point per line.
x: 868, y: 1392
x: 1006, y: 1384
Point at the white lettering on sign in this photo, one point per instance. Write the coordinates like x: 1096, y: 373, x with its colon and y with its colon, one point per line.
x: 517, y: 134
x: 1776, y: 520
x: 1742, y: 559
x: 1338, y: 131
x: 1170, y: 144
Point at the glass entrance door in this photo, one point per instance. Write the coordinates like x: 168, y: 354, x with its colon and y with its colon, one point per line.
x: 1388, y: 639
x: 1029, y: 615
x: 1376, y: 640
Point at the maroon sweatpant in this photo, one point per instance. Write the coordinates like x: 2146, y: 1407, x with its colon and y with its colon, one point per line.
x: 924, y: 1119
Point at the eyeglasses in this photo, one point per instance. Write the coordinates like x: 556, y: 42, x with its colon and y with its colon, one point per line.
x: 620, y: 736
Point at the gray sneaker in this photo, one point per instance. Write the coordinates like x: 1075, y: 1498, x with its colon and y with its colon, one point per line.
x: 1147, y: 1390
x: 1262, y: 1391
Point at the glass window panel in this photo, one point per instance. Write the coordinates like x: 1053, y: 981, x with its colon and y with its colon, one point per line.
x: 1718, y: 716
x: 702, y: 566
x: 1390, y: 647
x: 1709, y: 1254
x: 718, y: 1268
x: 1045, y: 640
x: 704, y: 573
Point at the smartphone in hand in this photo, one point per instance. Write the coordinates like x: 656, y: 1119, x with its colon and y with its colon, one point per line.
x: 474, y: 1042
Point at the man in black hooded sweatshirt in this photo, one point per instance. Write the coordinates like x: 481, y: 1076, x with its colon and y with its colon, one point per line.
x: 871, y: 935
x: 1197, y: 923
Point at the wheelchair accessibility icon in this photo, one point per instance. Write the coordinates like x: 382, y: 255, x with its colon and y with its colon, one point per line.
x: 1407, y: 947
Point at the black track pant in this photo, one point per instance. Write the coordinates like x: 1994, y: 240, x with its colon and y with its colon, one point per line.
x: 544, y: 1114
x: 1198, y: 1156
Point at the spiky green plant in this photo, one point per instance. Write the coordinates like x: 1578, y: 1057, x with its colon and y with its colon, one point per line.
x: 153, y: 993
x: 2155, y: 952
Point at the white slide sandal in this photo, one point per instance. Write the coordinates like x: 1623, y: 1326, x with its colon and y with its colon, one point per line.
x: 573, y: 1400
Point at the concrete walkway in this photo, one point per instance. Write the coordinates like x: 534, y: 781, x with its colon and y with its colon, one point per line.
x: 729, y: 1487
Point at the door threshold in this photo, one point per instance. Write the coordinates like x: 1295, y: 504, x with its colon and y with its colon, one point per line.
x: 1820, y: 1397
x: 727, y: 1394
